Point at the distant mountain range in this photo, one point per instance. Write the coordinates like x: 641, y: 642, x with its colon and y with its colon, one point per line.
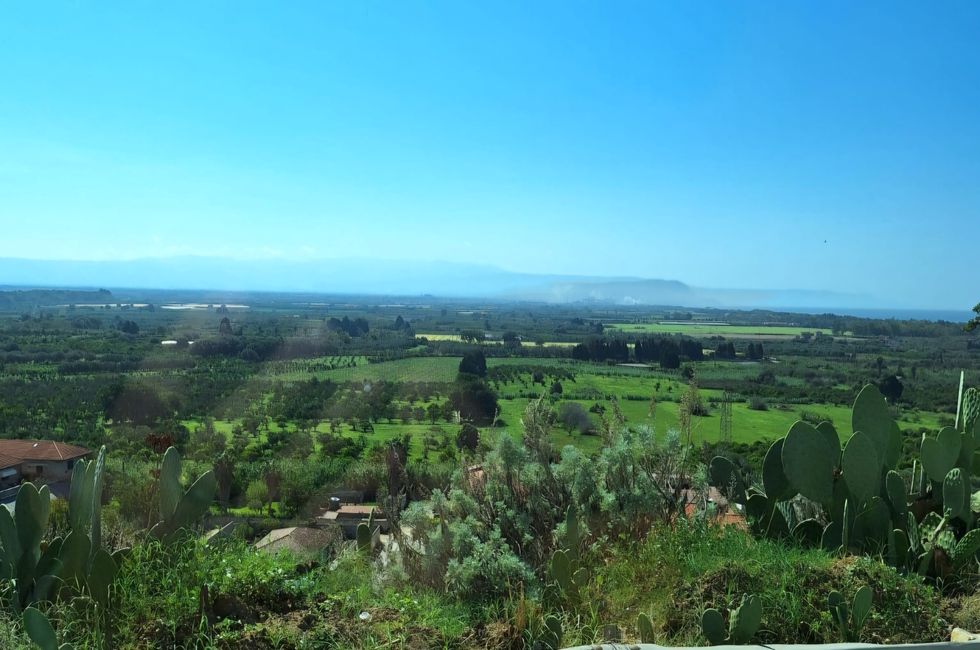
x: 395, y: 278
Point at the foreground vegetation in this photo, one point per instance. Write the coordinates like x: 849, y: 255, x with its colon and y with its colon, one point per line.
x: 182, y: 591
x: 546, y: 472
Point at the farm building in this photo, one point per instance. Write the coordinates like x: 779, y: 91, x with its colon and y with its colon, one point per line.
x: 44, y: 461
x: 347, y: 517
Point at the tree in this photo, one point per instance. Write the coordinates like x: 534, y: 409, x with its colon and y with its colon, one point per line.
x: 974, y: 322
x: 556, y: 388
x: 206, y: 442
x: 574, y: 417
x: 257, y: 494
x: 224, y: 472
x: 224, y: 327
x: 474, y: 400
x: 433, y: 412
x: 468, y: 437
x: 128, y: 327
x: 670, y: 361
x: 136, y: 403
x: 473, y: 363
x: 891, y: 387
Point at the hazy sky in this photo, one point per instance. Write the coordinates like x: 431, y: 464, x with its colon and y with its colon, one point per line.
x: 821, y: 145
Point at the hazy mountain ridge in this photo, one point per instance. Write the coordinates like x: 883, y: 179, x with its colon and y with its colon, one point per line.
x: 385, y: 277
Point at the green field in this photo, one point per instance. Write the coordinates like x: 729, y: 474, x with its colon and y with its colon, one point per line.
x: 421, y: 369
x: 632, y: 388
x: 714, y: 329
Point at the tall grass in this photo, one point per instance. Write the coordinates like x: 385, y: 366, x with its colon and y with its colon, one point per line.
x: 679, y: 571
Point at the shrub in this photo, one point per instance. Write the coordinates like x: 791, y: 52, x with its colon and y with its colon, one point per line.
x: 758, y: 404
x: 257, y: 494
x: 574, y: 417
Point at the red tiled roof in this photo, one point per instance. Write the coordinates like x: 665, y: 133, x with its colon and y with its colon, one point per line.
x: 7, y: 461
x: 40, y: 450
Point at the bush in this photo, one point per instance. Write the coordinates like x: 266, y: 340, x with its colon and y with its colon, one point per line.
x: 257, y: 494
x: 574, y: 417
x: 758, y: 404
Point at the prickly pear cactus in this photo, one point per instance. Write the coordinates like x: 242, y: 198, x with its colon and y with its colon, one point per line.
x: 645, y: 628
x: 956, y: 494
x: 851, y: 619
x: 363, y: 537
x: 897, y: 495
x: 774, y: 481
x: 571, y: 540
x: 549, y: 638
x: 40, y: 630
x: 745, y: 620
x: 723, y: 475
x: 743, y: 623
x: 180, y: 510
x: 861, y: 467
x: 971, y: 409
x: 939, y: 454
x: 870, y: 415
x: 713, y: 627
x: 810, y: 461
x: 22, y: 561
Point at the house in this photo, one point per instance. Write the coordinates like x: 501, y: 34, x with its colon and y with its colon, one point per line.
x: 347, y: 517
x: 44, y: 461
x: 300, y: 540
x: 10, y: 471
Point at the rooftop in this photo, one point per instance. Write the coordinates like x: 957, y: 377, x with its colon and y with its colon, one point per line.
x: 347, y: 511
x: 43, y: 450
x: 297, y: 539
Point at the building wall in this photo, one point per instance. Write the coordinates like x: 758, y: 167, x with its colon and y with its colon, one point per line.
x: 48, y: 471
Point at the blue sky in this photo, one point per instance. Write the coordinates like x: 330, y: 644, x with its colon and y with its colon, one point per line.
x: 805, y: 145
